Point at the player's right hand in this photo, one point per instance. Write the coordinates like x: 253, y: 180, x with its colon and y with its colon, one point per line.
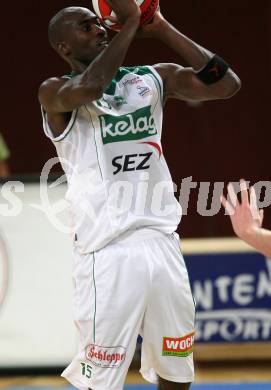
x: 153, y: 29
x: 125, y: 10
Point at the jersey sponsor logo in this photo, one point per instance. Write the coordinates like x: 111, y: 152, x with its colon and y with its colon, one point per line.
x: 105, y: 357
x: 136, y: 125
x: 133, y: 81
x: 143, y: 91
x: 215, y: 69
x: 131, y: 162
x: 181, y: 347
x: 156, y: 146
x: 104, y: 103
x: 119, y: 101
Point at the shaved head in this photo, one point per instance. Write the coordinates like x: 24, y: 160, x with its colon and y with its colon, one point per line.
x: 56, y: 29
x: 77, y: 35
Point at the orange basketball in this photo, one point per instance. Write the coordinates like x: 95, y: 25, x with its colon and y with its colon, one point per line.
x: 102, y: 9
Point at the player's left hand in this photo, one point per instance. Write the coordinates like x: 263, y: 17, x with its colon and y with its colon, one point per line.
x: 152, y: 29
x: 245, y: 215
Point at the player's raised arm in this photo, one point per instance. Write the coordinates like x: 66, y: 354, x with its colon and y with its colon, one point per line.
x: 208, y: 77
x: 98, y: 60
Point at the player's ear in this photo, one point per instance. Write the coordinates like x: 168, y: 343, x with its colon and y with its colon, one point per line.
x: 63, y: 48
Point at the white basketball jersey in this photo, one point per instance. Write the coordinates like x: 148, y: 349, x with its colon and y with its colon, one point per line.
x: 118, y: 179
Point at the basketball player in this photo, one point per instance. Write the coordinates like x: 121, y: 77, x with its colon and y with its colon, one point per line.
x: 247, y: 219
x: 106, y: 121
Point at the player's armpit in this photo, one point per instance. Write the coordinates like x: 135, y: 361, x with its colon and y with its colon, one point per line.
x: 182, y: 83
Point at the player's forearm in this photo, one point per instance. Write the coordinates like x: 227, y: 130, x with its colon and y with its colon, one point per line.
x: 193, y: 54
x: 102, y: 70
x: 198, y: 58
x: 260, y: 239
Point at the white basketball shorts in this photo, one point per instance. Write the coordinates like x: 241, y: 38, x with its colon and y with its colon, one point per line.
x: 135, y: 286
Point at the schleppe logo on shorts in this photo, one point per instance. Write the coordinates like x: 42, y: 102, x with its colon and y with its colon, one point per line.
x: 181, y: 347
x: 105, y: 357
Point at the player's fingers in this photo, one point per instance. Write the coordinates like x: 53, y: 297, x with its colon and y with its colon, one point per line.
x: 232, y: 195
x: 223, y: 201
x: 244, y: 193
x: 253, y: 198
x: 112, y: 19
x: 227, y: 206
x: 261, y: 216
x: 253, y: 203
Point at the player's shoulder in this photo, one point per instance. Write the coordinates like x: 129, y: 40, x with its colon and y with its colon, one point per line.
x: 51, y: 83
x: 49, y: 87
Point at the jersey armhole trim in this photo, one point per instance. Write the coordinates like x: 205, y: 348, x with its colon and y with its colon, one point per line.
x: 48, y: 132
x: 159, y: 81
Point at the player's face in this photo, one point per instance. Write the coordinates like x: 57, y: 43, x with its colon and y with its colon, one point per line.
x: 86, y: 37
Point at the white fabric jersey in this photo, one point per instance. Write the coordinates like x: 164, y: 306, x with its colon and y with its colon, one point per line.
x: 111, y: 152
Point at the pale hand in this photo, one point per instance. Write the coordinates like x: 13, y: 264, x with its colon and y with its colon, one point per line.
x: 246, y: 218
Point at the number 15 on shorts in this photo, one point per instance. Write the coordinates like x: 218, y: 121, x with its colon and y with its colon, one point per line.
x: 86, y: 370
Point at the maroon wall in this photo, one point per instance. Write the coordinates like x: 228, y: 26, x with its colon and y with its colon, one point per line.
x: 217, y: 141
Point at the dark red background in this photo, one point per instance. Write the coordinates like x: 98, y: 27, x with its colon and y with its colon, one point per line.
x: 218, y: 141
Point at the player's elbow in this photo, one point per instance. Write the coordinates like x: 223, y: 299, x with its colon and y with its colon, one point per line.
x: 234, y: 87
x: 231, y: 87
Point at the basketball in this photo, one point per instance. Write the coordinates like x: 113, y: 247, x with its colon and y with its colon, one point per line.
x: 102, y: 9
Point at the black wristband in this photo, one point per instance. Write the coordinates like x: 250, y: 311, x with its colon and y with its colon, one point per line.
x: 214, y: 71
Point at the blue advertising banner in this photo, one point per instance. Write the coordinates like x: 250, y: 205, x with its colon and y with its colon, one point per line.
x: 233, y: 296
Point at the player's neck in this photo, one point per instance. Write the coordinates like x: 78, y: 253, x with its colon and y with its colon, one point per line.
x: 78, y: 67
